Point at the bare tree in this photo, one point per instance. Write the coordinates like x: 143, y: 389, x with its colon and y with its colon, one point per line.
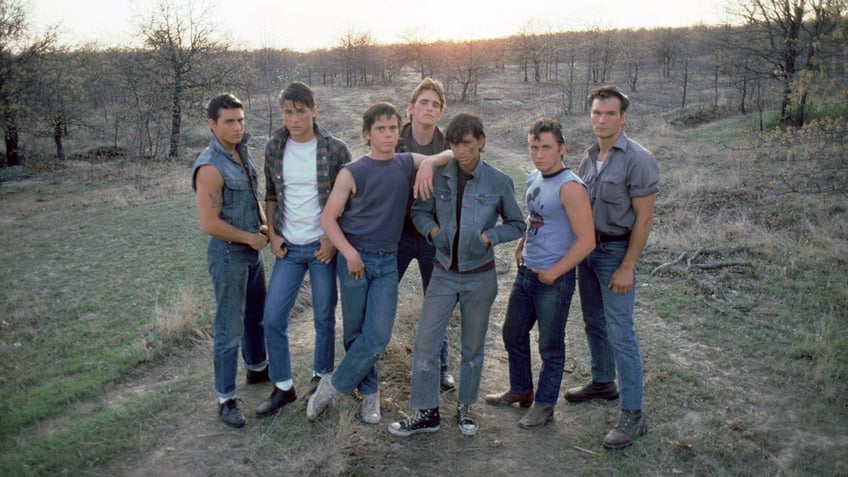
x: 353, y: 51
x: 181, y: 36
x: 466, y: 66
x: 56, y: 96
x: 787, y: 35
x: 17, y: 53
x: 419, y: 53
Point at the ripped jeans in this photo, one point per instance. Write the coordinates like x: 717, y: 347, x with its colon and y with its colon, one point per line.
x: 475, y: 293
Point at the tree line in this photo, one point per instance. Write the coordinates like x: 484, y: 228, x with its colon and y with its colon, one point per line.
x: 787, y: 53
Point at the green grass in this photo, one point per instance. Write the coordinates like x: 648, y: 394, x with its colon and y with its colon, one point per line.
x: 82, y: 284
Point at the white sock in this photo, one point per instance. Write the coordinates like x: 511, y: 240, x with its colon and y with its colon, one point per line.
x: 223, y: 400
x: 285, y: 385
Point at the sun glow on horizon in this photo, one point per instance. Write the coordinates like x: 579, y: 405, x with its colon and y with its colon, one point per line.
x: 299, y: 26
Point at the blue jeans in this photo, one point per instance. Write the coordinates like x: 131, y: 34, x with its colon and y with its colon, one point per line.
x: 608, y: 319
x: 283, y: 288
x: 238, y: 278
x: 413, y: 245
x: 475, y: 293
x: 368, y: 316
x: 531, y: 302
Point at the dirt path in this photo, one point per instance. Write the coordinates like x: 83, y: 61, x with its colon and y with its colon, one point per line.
x: 197, y: 444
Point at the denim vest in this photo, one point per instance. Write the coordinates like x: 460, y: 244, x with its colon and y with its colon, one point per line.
x: 239, y: 206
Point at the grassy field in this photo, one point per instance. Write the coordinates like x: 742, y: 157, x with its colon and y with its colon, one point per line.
x: 105, y: 316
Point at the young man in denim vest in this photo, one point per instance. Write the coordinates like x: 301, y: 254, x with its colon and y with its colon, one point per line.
x: 225, y: 178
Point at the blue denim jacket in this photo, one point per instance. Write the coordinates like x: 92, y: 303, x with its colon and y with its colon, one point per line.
x: 488, y: 195
x: 239, y: 206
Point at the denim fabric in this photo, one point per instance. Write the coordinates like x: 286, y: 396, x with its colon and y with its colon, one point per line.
x: 286, y: 279
x: 239, y: 204
x: 413, y: 245
x: 475, y: 293
x: 532, y: 302
x: 239, y: 281
x: 368, y: 310
x: 608, y: 319
x: 489, y: 195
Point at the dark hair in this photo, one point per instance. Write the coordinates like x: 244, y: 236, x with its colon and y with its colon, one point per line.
x: 606, y: 92
x: 461, y: 125
x: 435, y: 86
x: 298, y: 92
x: 222, y: 101
x: 546, y: 125
x: 375, y: 112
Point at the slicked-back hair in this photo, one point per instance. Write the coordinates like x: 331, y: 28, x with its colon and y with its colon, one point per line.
x: 463, y: 124
x: 222, y: 101
x: 609, y: 91
x: 546, y: 125
x: 433, y: 85
x: 298, y: 92
x: 375, y: 112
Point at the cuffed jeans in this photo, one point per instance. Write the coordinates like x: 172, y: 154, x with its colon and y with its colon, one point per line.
x: 475, y: 293
x: 413, y: 245
x: 608, y: 319
x: 369, y: 305
x: 283, y: 287
x: 531, y: 302
x: 238, y: 278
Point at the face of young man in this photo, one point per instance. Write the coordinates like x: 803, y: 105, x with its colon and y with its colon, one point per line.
x: 298, y: 119
x: 546, y: 153
x: 607, y: 118
x: 383, y: 137
x: 427, y: 108
x: 229, y: 128
x: 467, y: 152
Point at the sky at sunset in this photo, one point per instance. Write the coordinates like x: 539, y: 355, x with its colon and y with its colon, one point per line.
x: 308, y: 25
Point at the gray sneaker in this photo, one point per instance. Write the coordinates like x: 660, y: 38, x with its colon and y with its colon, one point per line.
x: 631, y: 425
x: 371, y: 408
x: 323, y: 396
x: 466, y: 420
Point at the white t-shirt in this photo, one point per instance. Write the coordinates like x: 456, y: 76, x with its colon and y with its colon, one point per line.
x: 302, y: 210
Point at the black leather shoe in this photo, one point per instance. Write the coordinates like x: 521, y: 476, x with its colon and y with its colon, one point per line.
x: 447, y: 383
x: 278, y: 399
x: 592, y: 390
x: 256, y: 377
x: 231, y: 414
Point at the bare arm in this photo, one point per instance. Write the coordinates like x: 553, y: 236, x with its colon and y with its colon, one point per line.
x: 209, y: 200
x: 575, y: 199
x: 424, y: 177
x: 343, y: 189
x: 519, y: 258
x: 622, y: 279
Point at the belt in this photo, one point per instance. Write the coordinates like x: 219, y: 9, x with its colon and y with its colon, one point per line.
x: 601, y: 237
